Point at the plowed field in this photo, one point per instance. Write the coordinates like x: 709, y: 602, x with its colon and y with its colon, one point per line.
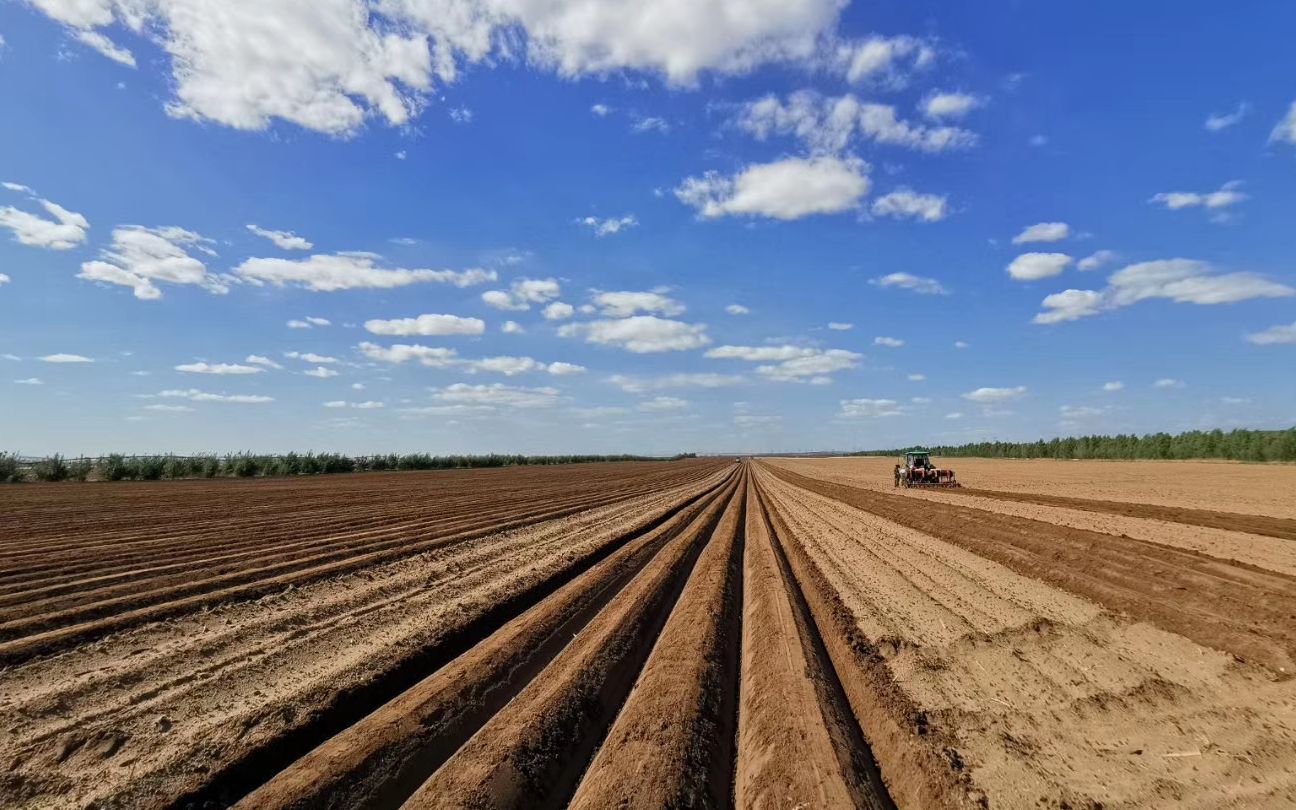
x: 772, y: 634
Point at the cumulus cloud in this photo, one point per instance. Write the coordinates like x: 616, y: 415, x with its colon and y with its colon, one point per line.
x: 1184, y: 281
x: 608, y: 226
x: 789, y: 363
x: 1097, y: 259
x: 437, y: 357
x: 840, y: 327
x: 30, y: 381
x: 65, y: 358
x: 737, y: 309
x: 349, y: 271
x: 333, y: 64
x: 522, y: 293
x: 1227, y: 195
x: 880, y: 59
x: 639, y: 385
x: 322, y: 372
x: 141, y: 258
x: 1168, y: 382
x: 498, y: 395
x: 624, y: 303
x: 427, y: 325
x: 908, y: 281
x: 369, y: 404
x: 1218, y: 121
x: 601, y: 110
x: 558, y: 311
x: 940, y: 105
x: 786, y: 189
x: 904, y: 202
x: 870, y: 408
x: 658, y: 404
x: 4, y: 279
x: 830, y: 125
x: 992, y: 396
x: 954, y: 415
x: 1035, y: 266
x: 196, y: 395
x: 890, y: 342
x: 1285, y: 130
x: 433, y: 356
x: 512, y: 328
x: 308, y: 322
x: 310, y: 357
x: 1113, y: 386
x: 641, y: 334
x: 62, y: 231
x: 1043, y: 232
x: 1283, y: 333
x: 218, y: 368
x: 650, y: 123
x: 961, y: 344
x: 285, y: 240
x: 260, y: 360
x: 917, y: 377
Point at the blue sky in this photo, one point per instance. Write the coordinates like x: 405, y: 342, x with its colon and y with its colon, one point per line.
x: 639, y: 221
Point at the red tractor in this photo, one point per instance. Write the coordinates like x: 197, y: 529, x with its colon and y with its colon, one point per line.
x: 918, y: 471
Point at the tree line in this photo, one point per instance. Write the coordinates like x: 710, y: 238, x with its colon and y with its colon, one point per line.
x: 1236, y: 445
x: 120, y: 467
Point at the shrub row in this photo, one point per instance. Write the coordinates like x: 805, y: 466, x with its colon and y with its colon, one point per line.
x: 1237, y: 445
x: 118, y: 467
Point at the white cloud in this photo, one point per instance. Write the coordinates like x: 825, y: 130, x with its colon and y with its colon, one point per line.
x: 203, y: 396
x: 1038, y: 140
x: 286, y: 240
x: 1184, y: 281
x: 638, y: 385
x: 991, y: 396
x: 954, y: 415
x: 789, y: 363
x: 427, y: 325
x: 461, y: 115
x: 1075, y: 412
x: 561, y: 369
x: 1168, y: 382
x: 522, y: 293
x: 1285, y: 130
x: 498, y: 395
x: 1217, y: 121
x: 870, y: 408
x: 940, y: 105
x: 558, y: 311
x: 311, y: 357
x: 608, y: 226
x: 829, y: 125
x: 4, y: 279
x: 1114, y: 385
x: 322, y: 372
x: 1235, y: 400
x: 880, y: 59
x: 650, y: 123
x: 349, y: 271
x: 786, y: 189
x: 663, y: 404
x: 512, y: 328
x: 908, y: 281
x: 1227, y: 195
x: 921, y: 400
x: 601, y: 110
x: 1283, y: 333
x: 746, y: 421
x: 30, y: 381
x: 65, y: 358
x: 298, y: 324
x: 737, y: 309
x: 218, y: 368
x: 1043, y: 232
x: 917, y: 377
x: 891, y: 342
x: 260, y: 360
x: 1035, y: 266
x: 107, y: 47
x: 169, y: 408
x: 624, y: 303
x: 333, y: 64
x: 641, y: 334
x: 840, y: 327
x: 64, y: 231
x: 401, y: 155
x: 433, y: 356
x: 367, y: 405
x: 904, y: 202
x: 141, y: 257
x: 961, y: 344
x: 1097, y: 259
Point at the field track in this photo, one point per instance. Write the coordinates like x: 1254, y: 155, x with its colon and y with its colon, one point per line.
x: 769, y: 634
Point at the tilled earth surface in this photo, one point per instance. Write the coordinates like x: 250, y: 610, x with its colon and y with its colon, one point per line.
x: 770, y: 634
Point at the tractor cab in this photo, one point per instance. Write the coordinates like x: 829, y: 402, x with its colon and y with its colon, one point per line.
x: 918, y: 460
